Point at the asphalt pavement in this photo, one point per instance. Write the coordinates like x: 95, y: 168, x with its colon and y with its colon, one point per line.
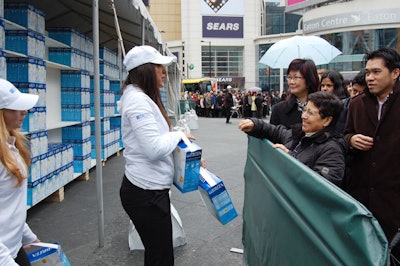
x: 74, y: 222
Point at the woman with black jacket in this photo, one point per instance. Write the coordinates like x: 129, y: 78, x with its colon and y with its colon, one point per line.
x: 314, y: 142
x: 302, y: 79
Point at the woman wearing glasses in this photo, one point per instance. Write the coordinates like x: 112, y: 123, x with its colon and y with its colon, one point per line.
x: 302, y: 79
x: 314, y: 142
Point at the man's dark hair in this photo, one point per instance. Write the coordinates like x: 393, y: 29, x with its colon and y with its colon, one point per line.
x: 360, y: 78
x: 389, y: 55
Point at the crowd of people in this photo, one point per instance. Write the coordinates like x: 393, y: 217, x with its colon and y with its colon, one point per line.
x: 245, y: 103
x: 349, y: 135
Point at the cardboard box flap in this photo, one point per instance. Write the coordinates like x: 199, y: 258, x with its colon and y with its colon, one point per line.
x: 189, y: 144
x: 207, y: 177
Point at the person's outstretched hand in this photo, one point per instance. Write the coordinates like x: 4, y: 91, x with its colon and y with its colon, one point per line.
x: 190, y: 136
x: 246, y: 125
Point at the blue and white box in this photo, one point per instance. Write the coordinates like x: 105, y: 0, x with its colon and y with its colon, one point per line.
x: 47, y: 254
x: 187, y: 157
x: 215, y: 197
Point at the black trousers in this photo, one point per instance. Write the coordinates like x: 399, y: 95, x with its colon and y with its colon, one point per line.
x: 22, y: 258
x: 227, y: 114
x: 150, y: 212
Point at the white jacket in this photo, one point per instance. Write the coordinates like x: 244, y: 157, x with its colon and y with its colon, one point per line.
x: 148, y: 142
x: 14, y: 232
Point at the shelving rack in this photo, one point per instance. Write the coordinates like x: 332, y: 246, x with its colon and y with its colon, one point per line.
x: 57, y: 159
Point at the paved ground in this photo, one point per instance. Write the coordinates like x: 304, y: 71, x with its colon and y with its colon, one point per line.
x: 74, y: 222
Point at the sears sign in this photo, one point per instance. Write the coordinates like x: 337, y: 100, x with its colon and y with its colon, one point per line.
x: 222, y: 27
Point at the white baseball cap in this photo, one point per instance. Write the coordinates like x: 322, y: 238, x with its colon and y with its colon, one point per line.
x: 140, y: 55
x: 11, y: 98
x: 229, y: 87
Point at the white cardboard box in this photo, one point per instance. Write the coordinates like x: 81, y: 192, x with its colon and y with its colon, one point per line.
x: 187, y: 157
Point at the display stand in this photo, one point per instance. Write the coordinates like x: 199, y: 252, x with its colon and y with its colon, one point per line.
x: 56, y: 158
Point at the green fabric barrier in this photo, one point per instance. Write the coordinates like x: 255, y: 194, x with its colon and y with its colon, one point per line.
x: 293, y: 216
x: 192, y: 105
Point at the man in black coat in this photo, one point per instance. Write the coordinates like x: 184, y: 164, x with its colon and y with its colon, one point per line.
x: 228, y: 103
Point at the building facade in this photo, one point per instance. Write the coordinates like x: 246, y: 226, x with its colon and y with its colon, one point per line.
x: 353, y: 26
x: 226, y: 38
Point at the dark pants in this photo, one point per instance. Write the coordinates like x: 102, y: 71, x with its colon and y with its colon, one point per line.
x: 247, y: 112
x: 150, y: 212
x: 227, y: 114
x: 259, y: 112
x: 22, y: 258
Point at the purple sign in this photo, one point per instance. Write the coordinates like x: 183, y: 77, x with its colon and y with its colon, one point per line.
x: 222, y: 27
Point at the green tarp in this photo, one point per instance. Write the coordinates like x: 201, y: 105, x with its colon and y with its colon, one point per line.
x: 293, y: 216
x: 186, y: 105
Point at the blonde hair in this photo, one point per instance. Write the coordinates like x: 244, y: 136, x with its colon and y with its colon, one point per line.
x: 6, y: 157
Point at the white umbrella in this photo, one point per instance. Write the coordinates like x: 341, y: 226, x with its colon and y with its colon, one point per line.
x: 280, y: 54
x: 254, y: 89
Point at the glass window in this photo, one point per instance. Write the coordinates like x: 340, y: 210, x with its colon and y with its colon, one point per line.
x: 277, y: 21
x: 224, y: 61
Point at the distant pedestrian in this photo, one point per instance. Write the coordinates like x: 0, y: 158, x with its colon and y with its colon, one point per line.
x: 259, y: 101
x: 275, y: 98
x: 253, y: 104
x: 149, y: 143
x: 228, y: 103
x: 219, y: 104
x: 202, y: 103
x: 208, y: 104
x: 246, y: 104
x: 213, y: 97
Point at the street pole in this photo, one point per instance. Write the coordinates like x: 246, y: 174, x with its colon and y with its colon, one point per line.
x: 209, y: 55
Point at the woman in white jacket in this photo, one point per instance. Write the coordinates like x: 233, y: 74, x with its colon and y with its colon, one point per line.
x: 14, y: 164
x: 149, y: 143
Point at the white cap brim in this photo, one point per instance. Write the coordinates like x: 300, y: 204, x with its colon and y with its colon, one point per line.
x: 164, y: 60
x: 24, y: 101
x: 140, y: 55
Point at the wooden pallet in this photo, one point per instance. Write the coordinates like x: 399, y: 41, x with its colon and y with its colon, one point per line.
x: 57, y: 196
x: 83, y: 177
x: 103, y: 162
